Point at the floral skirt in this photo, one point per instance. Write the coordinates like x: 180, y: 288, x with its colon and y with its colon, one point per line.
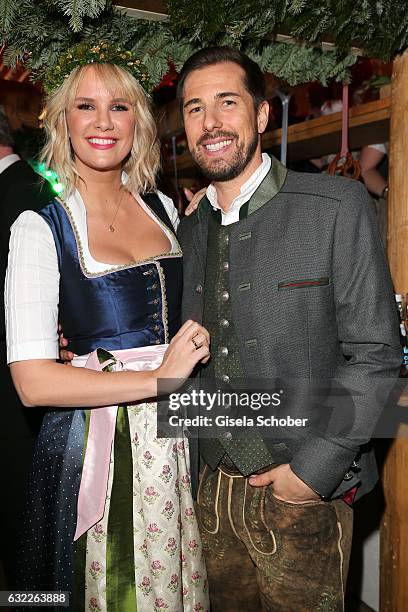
x: 168, y: 570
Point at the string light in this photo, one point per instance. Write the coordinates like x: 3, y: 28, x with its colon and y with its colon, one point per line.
x: 48, y: 174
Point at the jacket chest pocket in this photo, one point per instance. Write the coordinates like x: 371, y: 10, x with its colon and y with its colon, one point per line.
x: 303, y: 283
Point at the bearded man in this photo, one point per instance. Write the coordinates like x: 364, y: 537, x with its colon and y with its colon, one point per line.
x: 287, y: 272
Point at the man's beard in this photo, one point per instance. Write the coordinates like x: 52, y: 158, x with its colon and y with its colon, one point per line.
x: 221, y: 170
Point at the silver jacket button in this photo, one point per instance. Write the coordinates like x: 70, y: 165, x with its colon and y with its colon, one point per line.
x: 225, y: 296
x: 225, y: 266
x: 224, y: 323
x: 225, y: 378
x: 348, y: 476
x: 199, y: 289
x: 223, y: 351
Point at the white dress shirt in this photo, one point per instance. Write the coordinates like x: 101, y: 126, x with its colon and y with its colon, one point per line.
x: 8, y: 160
x: 32, y: 280
x: 246, y: 192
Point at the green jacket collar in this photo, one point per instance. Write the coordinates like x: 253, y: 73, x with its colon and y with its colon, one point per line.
x: 270, y: 186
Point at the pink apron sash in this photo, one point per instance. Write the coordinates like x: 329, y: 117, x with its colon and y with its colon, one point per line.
x: 102, y: 422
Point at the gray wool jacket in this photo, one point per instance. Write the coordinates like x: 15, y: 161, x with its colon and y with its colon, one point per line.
x: 320, y: 306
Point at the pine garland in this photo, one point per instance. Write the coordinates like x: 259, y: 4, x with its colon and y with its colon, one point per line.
x: 380, y: 27
x: 39, y: 31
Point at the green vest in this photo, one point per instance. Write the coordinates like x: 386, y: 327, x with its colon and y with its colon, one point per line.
x: 249, y: 452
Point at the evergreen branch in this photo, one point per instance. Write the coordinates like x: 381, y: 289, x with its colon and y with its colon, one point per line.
x: 76, y: 10
x: 8, y: 10
x: 296, y: 6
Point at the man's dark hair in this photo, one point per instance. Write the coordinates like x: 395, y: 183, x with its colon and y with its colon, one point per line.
x: 254, y: 80
x: 6, y: 139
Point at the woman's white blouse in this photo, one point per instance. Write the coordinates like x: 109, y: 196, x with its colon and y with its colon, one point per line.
x: 32, y: 279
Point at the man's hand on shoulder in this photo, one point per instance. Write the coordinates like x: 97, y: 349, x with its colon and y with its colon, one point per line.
x: 193, y: 199
x: 286, y: 486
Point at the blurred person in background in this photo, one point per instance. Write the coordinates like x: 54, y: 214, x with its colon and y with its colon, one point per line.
x: 20, y: 189
x: 374, y: 172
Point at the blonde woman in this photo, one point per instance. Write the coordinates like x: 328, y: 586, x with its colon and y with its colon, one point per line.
x: 105, y: 263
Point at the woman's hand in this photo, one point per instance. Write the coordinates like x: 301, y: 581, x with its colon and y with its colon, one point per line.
x: 190, y: 346
x: 194, y: 200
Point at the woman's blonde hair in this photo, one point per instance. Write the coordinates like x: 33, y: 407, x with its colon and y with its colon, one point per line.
x: 143, y: 161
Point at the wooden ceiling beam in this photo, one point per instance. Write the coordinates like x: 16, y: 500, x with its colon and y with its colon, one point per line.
x: 153, y: 10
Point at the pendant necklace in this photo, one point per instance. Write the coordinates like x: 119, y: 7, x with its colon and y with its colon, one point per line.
x: 111, y: 226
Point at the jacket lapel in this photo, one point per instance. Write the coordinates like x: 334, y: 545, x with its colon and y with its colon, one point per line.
x: 199, y: 232
x: 270, y: 186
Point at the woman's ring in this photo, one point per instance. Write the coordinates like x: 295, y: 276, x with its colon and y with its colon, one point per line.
x: 195, y: 343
